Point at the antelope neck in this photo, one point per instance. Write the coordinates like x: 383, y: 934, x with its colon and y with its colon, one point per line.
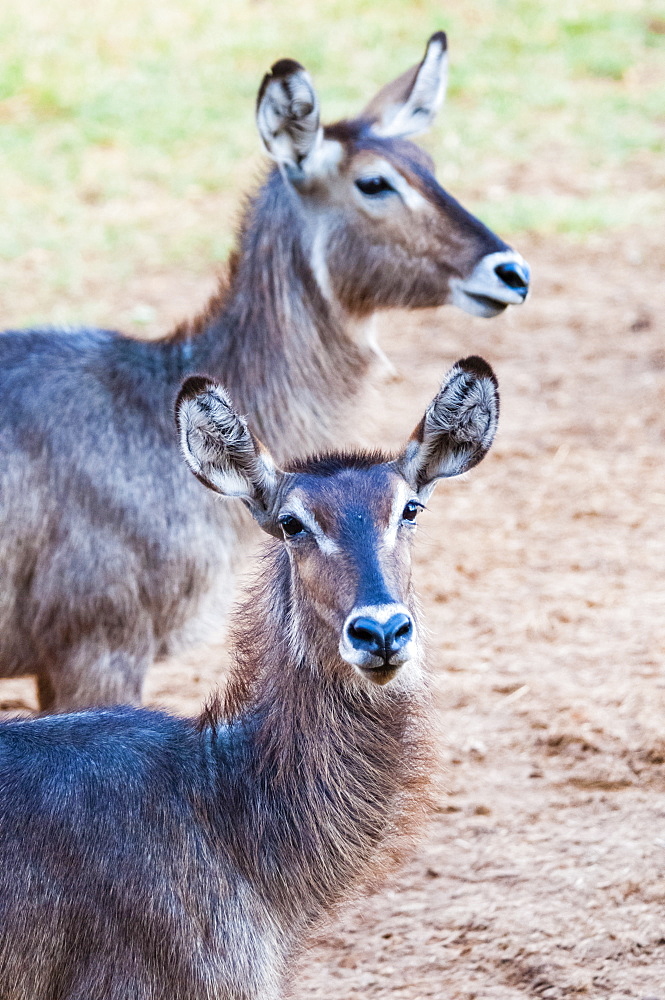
x: 325, y: 769
x: 271, y: 336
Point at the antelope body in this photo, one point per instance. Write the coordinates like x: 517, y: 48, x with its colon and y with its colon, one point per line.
x: 147, y: 857
x: 111, y: 557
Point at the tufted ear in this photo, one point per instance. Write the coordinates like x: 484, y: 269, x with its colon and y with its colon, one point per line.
x: 408, y: 105
x: 288, y: 116
x: 458, y: 427
x: 221, y: 450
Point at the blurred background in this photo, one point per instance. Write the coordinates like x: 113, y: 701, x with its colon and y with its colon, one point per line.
x: 127, y: 128
x: 127, y: 142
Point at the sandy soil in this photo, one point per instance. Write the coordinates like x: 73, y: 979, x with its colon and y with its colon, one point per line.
x: 542, y: 873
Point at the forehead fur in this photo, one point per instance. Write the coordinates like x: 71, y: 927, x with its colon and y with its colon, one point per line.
x: 339, y: 486
x: 357, y: 135
x: 331, y: 463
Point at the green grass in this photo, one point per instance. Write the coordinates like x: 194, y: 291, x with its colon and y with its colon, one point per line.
x: 127, y: 132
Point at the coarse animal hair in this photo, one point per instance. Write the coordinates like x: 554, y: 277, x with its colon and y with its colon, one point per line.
x: 112, y: 559
x: 145, y: 857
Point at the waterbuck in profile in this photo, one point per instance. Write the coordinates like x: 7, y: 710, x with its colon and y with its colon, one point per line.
x: 147, y: 857
x: 110, y: 556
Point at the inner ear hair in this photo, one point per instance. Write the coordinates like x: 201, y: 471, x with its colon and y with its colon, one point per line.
x: 457, y: 428
x: 220, y: 448
x: 287, y: 113
x: 407, y: 105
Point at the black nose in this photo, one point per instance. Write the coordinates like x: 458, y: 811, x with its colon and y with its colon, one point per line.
x: 515, y: 275
x: 381, y: 639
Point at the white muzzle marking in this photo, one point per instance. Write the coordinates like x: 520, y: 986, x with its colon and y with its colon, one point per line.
x: 364, y: 660
x: 483, y: 293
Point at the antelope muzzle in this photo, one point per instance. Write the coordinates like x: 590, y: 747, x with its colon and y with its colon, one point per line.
x: 378, y: 641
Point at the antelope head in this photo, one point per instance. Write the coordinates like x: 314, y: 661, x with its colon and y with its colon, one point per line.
x: 346, y: 521
x: 382, y: 232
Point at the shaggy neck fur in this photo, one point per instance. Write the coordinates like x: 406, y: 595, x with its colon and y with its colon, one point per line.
x: 270, y: 335
x: 328, y: 776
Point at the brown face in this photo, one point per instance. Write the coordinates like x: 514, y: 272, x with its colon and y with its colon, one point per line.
x: 348, y: 532
x: 386, y: 234
x: 382, y: 233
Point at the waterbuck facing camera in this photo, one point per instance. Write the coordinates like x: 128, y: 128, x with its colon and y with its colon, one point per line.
x: 148, y: 856
x: 347, y: 520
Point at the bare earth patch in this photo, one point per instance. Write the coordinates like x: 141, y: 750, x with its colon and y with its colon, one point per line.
x: 542, y: 873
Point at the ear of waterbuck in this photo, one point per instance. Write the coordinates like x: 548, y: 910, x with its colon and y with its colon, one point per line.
x: 409, y: 104
x: 288, y: 117
x: 221, y: 450
x: 458, y: 427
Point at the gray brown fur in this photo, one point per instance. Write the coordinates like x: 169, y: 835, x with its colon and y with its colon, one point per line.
x: 147, y: 857
x: 111, y: 556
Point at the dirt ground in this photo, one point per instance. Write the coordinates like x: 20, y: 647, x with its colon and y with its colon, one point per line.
x: 542, y: 873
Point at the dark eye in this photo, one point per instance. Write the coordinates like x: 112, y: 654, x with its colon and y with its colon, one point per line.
x: 411, y: 510
x: 291, y: 525
x: 373, y: 185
